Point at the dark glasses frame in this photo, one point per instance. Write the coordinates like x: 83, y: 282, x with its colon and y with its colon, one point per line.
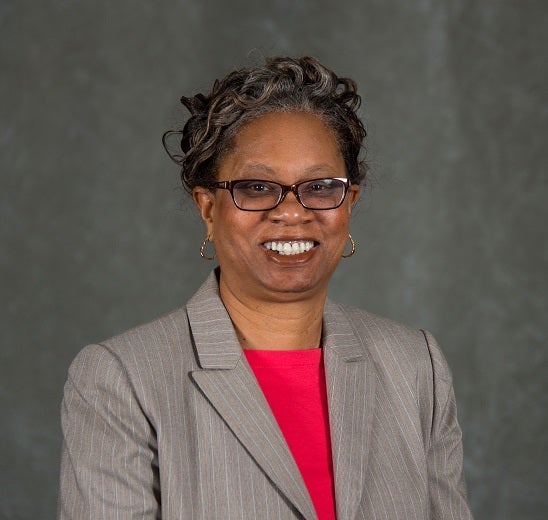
x: 285, y: 189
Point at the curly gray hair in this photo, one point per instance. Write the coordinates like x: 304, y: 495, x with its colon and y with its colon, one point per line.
x: 280, y: 85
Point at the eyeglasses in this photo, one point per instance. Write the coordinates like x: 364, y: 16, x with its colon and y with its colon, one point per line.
x: 259, y: 195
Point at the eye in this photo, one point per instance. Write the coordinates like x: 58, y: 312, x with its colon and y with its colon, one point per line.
x: 253, y: 188
x: 320, y: 185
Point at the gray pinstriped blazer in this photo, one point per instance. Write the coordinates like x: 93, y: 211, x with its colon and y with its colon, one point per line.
x: 167, y: 421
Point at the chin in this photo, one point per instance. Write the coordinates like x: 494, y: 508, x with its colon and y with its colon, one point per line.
x: 297, y: 287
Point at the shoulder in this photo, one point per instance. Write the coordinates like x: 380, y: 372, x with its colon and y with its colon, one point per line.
x: 392, y: 343
x: 376, y: 329
x: 154, y: 349
x: 373, y: 322
x: 393, y: 347
x: 141, y: 353
x: 162, y: 332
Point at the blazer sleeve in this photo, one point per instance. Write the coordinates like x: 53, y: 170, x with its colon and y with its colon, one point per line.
x: 109, y: 463
x: 447, y: 488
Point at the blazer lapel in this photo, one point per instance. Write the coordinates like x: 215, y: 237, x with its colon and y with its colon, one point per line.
x: 350, y: 383
x: 230, y: 386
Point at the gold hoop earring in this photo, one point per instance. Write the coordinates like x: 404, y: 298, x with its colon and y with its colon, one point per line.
x: 202, y: 250
x: 353, y: 244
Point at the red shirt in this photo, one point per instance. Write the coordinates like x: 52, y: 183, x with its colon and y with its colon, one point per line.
x: 293, y: 382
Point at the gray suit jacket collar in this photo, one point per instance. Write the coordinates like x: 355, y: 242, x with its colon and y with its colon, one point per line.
x: 229, y: 384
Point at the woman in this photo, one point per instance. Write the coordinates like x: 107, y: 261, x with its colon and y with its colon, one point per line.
x: 261, y: 398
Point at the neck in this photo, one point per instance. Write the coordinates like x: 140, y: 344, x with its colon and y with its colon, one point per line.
x: 267, y: 325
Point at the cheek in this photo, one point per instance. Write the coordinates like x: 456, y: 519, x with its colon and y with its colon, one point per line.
x: 340, y: 222
x: 233, y: 225
x: 223, y: 217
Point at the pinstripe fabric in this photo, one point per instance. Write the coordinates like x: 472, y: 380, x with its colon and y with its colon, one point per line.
x: 167, y: 421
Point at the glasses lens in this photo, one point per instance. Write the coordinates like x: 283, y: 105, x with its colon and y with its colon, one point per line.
x: 254, y: 195
x: 322, y: 193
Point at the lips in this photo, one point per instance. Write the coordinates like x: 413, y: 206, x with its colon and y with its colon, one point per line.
x: 289, y: 247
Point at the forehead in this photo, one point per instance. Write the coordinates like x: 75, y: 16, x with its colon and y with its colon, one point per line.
x: 282, y: 145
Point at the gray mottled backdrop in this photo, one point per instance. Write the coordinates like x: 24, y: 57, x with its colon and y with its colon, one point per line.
x: 96, y: 236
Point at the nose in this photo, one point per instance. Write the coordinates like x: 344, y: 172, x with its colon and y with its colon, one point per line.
x: 290, y: 211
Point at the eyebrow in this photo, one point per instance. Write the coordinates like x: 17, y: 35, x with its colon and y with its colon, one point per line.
x: 258, y: 167
x: 263, y: 168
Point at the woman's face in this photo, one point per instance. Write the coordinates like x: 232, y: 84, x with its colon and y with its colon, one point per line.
x: 287, y: 148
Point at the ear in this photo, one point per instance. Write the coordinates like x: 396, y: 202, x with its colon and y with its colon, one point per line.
x: 205, y: 200
x: 353, y: 195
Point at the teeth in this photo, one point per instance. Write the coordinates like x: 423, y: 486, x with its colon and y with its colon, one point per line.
x: 290, y: 248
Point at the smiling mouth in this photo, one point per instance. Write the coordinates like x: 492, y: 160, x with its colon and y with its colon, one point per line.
x: 293, y: 247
